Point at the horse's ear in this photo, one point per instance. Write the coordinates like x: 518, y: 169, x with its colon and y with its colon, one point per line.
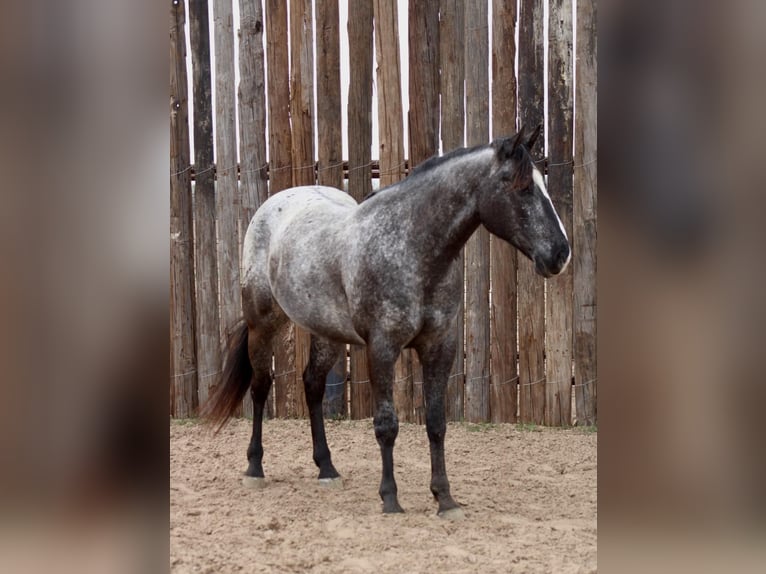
x: 507, y: 146
x: 530, y: 141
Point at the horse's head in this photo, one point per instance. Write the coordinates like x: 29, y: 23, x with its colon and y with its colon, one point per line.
x: 516, y: 207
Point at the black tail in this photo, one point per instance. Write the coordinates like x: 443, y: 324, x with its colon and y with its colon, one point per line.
x: 234, y: 381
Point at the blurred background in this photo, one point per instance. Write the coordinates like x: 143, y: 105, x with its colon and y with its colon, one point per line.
x: 682, y: 465
x: 84, y: 289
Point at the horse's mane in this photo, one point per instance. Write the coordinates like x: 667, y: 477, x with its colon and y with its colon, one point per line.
x: 429, y: 165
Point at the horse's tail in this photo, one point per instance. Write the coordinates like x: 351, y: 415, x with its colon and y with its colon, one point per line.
x: 234, y: 381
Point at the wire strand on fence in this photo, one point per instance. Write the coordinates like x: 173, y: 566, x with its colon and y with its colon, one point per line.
x: 543, y: 381
x: 316, y: 167
x: 537, y: 382
x: 586, y: 383
x: 403, y: 379
x: 508, y: 382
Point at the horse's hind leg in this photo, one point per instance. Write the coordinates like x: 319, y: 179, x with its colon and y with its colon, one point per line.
x: 260, y: 336
x: 323, y: 356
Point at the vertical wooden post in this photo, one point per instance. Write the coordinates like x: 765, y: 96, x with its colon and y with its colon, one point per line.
x: 252, y: 112
x: 504, y: 374
x: 531, y: 285
x: 280, y: 172
x: 558, y: 302
x: 424, y: 120
x: 330, y: 170
x: 278, y: 85
x: 477, y: 248
x: 302, y: 91
x: 226, y: 168
x: 392, y: 153
x: 452, y: 61
x: 183, y: 376
x: 208, y: 326
x: 360, y: 27
x: 304, y: 173
x: 584, y: 240
x: 253, y: 187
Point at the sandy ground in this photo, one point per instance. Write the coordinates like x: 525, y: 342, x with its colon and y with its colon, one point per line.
x: 529, y: 496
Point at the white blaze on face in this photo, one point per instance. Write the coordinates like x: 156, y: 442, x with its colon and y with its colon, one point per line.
x: 537, y: 177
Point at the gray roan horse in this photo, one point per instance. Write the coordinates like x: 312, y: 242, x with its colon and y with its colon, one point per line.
x: 383, y: 273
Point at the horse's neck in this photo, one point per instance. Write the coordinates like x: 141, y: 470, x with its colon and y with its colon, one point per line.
x: 445, y: 202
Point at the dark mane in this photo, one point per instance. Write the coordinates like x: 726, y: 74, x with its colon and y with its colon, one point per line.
x: 435, y: 161
x: 430, y: 164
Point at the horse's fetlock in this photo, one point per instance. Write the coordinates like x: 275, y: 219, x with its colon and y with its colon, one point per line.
x: 321, y: 455
x: 255, y: 452
x: 388, y: 490
x: 440, y: 488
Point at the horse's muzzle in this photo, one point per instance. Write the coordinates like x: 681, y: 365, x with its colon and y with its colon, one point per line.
x: 556, y: 264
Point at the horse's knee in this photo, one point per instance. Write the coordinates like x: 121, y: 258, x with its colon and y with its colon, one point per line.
x: 436, y: 434
x: 436, y: 425
x: 386, y: 425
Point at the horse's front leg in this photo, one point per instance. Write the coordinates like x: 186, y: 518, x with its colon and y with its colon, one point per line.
x: 436, y: 358
x: 381, y: 358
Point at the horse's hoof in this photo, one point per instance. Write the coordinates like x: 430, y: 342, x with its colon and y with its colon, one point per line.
x: 452, y: 514
x: 254, y: 482
x: 336, y: 482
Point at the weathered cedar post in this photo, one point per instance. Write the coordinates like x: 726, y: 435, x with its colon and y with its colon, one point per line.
x: 504, y: 374
x: 183, y: 375
x: 252, y: 112
x: 392, y: 154
x: 530, y: 285
x: 423, y: 120
x: 330, y: 170
x: 205, y: 257
x: 280, y: 173
x: 360, y: 26
x: 253, y: 187
x: 477, y: 248
x: 584, y: 234
x: 302, y: 119
x: 226, y: 167
x: 558, y: 302
x: 452, y: 59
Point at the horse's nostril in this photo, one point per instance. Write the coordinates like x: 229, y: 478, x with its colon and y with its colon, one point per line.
x: 562, y: 256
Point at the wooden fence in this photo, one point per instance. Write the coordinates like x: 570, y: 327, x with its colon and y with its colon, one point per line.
x: 527, y: 345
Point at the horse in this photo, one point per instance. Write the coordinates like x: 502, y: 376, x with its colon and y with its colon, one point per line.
x: 383, y: 273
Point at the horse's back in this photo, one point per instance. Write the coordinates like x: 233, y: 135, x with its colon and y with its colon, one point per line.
x: 292, y: 255
x: 291, y: 211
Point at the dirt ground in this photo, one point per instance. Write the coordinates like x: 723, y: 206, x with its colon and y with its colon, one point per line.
x: 529, y: 496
